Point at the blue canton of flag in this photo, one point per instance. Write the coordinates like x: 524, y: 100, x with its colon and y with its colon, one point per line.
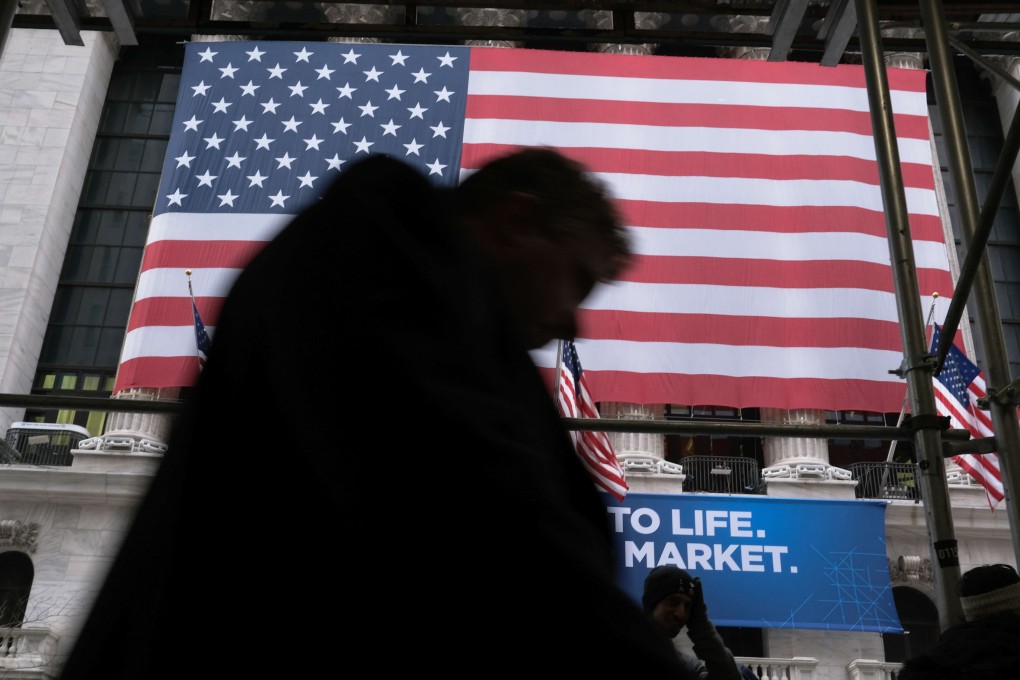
x: 201, y: 337
x: 957, y: 372
x: 267, y: 125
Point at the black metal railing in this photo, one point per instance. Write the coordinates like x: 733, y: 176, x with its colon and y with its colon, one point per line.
x: 42, y: 443
x: 892, y: 481
x: 721, y: 474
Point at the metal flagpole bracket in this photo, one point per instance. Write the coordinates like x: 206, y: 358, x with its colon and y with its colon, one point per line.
x: 926, y: 362
x: 1008, y: 395
x: 978, y: 446
x: 927, y: 421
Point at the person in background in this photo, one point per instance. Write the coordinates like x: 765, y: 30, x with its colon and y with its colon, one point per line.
x: 371, y: 475
x: 991, y: 590
x: 676, y: 601
x: 987, y: 644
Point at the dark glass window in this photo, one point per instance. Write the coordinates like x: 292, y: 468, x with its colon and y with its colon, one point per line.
x: 920, y: 620
x: 92, y: 303
x: 16, y: 575
x: 985, y: 141
x: 747, y: 642
x: 847, y: 450
x: 680, y: 446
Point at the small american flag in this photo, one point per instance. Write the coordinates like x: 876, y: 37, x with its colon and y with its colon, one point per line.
x: 201, y: 337
x: 957, y: 386
x: 593, y: 448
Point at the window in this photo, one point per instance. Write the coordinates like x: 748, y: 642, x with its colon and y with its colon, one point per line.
x: 88, y: 321
x: 920, y: 621
x: 680, y: 446
x: 743, y: 641
x: 16, y: 575
x: 845, y: 451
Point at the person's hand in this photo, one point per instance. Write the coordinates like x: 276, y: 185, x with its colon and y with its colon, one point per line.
x: 699, y: 611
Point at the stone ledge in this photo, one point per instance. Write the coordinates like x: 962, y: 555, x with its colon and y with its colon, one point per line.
x: 63, y: 485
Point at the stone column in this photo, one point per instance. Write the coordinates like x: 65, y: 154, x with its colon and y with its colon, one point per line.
x: 136, y: 432
x: 914, y: 60
x: 795, y: 457
x: 635, y: 445
x: 486, y: 16
x: 51, y: 102
x: 642, y: 454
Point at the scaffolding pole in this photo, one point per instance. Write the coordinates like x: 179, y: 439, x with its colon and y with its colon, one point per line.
x: 997, y: 376
x: 916, y: 367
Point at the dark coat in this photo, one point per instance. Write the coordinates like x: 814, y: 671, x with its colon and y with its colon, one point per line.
x: 370, y: 477
x: 986, y: 649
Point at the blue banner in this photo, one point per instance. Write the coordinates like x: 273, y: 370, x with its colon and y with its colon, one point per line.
x: 764, y: 562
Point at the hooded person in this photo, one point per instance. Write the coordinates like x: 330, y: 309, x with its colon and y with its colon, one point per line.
x: 675, y: 600
x: 987, y: 644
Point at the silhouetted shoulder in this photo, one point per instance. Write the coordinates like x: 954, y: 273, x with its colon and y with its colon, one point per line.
x: 987, y: 648
x: 378, y: 174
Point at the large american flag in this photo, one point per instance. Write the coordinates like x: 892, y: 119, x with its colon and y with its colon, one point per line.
x: 593, y: 448
x: 750, y: 189
x: 958, y: 386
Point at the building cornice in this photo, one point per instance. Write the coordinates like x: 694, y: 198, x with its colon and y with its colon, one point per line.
x: 29, y: 483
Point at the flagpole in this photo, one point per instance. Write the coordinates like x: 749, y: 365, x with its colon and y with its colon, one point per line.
x: 906, y: 397
x: 931, y: 467
x: 201, y: 336
x: 191, y: 294
x: 559, y: 369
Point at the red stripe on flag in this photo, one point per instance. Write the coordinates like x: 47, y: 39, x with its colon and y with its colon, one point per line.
x: 200, y: 254
x: 636, y: 66
x: 767, y: 273
x: 740, y: 392
x: 687, y: 115
x: 168, y: 311
x: 769, y: 218
x: 159, y: 371
x: 707, y: 164
x: 739, y: 330
x: 985, y: 472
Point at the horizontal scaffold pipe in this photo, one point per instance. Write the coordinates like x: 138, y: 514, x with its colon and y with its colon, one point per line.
x: 752, y: 429
x: 689, y: 427
x: 46, y: 401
